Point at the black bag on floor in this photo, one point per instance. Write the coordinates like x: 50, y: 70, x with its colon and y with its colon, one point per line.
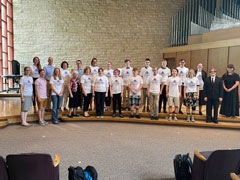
x: 77, y: 173
x: 183, y: 167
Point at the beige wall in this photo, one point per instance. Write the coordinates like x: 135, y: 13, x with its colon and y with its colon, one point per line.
x: 110, y: 30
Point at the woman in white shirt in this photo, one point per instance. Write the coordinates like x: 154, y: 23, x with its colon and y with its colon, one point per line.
x: 66, y: 78
x: 109, y: 74
x: 116, y: 91
x: 26, y: 91
x: 86, y: 84
x: 191, y: 93
x: 35, y: 75
x: 100, y: 91
x: 56, y: 83
x: 94, y: 68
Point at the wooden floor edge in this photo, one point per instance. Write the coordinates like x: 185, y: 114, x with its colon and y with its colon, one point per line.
x: 3, y: 124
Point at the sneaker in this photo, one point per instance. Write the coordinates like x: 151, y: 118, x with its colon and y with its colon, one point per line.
x: 131, y: 116
x: 98, y: 116
x: 45, y: 122
x: 42, y: 123
x: 101, y: 116
x: 156, y: 118
x: 114, y: 115
x: 175, y: 118
x: 170, y: 118
x: 120, y: 115
x: 193, y: 120
x: 138, y: 117
x: 188, y: 119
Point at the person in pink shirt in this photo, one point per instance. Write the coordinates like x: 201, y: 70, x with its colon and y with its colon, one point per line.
x: 41, y: 93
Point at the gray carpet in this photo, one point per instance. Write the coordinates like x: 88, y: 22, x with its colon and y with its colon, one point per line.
x: 119, y: 151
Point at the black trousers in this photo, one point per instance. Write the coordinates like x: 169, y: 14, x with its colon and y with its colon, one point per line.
x: 34, y: 92
x: 108, y: 99
x: 87, y: 100
x: 99, y: 100
x: 163, y: 99
x: 212, y: 103
x: 117, y: 98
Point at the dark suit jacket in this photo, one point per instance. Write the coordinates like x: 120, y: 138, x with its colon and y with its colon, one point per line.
x: 213, y: 90
x: 204, y: 74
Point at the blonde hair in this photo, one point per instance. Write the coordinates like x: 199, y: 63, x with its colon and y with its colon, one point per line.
x: 55, y: 74
x: 188, y: 75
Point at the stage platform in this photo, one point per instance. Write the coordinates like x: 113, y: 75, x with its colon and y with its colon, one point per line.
x: 10, y: 114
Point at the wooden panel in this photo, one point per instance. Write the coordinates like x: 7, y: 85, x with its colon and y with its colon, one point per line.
x: 196, y: 39
x: 199, y: 56
x: 223, y: 34
x: 170, y: 55
x: 234, y: 55
x: 218, y: 59
x: 183, y: 55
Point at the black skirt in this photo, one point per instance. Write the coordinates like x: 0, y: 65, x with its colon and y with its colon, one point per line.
x: 74, y: 101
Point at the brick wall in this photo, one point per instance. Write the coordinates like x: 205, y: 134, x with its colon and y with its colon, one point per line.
x: 110, y: 30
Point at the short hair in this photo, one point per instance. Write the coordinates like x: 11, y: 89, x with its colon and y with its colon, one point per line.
x: 25, y: 68
x: 79, y: 61
x: 182, y: 60
x: 154, y: 67
x: 116, y: 70
x: 175, y: 69
x: 100, y: 69
x: 127, y: 60
x: 93, y: 59
x: 147, y: 59
x: 135, y: 69
x: 63, y: 63
x: 86, y: 68
x: 74, y: 72
x: 212, y: 69
x: 40, y: 70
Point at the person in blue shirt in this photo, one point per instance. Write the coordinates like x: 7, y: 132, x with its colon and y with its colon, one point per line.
x: 80, y: 71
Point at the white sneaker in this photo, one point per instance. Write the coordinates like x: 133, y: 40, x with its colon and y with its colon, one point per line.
x: 170, y: 118
x: 193, y: 120
x: 188, y: 119
x: 175, y: 118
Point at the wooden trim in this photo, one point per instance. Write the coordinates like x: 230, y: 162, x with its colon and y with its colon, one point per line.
x: 199, y: 155
x: 234, y: 176
x: 3, y: 124
x: 56, y: 160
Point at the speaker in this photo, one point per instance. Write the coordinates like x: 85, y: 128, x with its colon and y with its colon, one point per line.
x: 15, y: 67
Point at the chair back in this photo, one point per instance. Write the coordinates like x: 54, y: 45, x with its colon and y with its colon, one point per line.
x: 3, y: 169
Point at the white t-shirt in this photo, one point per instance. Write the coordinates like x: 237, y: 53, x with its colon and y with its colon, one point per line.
x: 57, y: 84
x: 27, y: 84
x: 66, y: 75
x: 86, y: 80
x: 145, y: 73
x: 108, y: 74
x: 165, y: 73
x: 173, y: 84
x: 116, y: 83
x: 135, y: 82
x: 100, y: 83
x: 126, y: 74
x: 94, y: 70
x: 201, y: 82
x: 182, y: 73
x: 191, y: 84
x: 34, y: 71
x: 154, y: 83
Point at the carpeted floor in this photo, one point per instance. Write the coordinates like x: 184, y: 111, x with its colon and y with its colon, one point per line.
x: 119, y: 151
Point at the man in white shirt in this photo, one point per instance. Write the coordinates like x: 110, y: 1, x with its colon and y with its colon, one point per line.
x: 165, y: 72
x: 127, y: 73
x: 173, y: 93
x: 182, y: 74
x: 145, y: 73
x: 135, y: 85
x: 153, y: 91
x: 109, y: 74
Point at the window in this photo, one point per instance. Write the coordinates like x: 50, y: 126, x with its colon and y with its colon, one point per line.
x: 6, y: 43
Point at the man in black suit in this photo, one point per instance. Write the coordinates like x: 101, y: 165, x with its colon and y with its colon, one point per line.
x: 213, y: 94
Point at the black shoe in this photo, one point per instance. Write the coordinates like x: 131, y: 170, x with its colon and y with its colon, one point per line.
x: 114, y: 115
x: 70, y: 116
x: 156, y: 118
x: 152, y: 118
x: 216, y: 122
x: 138, y: 117
x: 120, y: 115
x: 131, y: 116
x: 124, y: 109
x: 129, y: 109
x: 65, y: 109
x: 165, y: 111
x: 200, y: 113
x: 75, y: 115
x: 55, y: 122
x: 180, y: 112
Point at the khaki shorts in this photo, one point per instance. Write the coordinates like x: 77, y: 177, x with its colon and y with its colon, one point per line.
x: 42, y: 104
x: 173, y: 101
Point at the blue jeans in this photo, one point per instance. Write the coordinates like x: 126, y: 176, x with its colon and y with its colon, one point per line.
x: 57, y: 100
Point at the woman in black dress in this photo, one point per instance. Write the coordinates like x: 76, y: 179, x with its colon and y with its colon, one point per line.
x: 230, y: 107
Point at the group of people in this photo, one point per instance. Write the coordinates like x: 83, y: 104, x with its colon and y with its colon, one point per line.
x: 95, y: 87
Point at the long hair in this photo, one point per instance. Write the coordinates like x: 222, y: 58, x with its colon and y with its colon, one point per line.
x: 38, y: 64
x: 55, y: 74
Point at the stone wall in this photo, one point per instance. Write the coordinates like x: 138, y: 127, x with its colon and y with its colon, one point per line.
x: 110, y: 30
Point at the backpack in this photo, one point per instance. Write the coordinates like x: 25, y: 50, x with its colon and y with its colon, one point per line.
x: 183, y: 167
x: 78, y: 173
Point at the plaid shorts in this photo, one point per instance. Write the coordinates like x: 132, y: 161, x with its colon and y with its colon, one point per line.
x: 135, y: 100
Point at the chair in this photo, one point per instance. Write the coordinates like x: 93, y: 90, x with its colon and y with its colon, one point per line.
x: 33, y: 167
x: 234, y: 176
x: 211, y: 165
x: 3, y: 169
